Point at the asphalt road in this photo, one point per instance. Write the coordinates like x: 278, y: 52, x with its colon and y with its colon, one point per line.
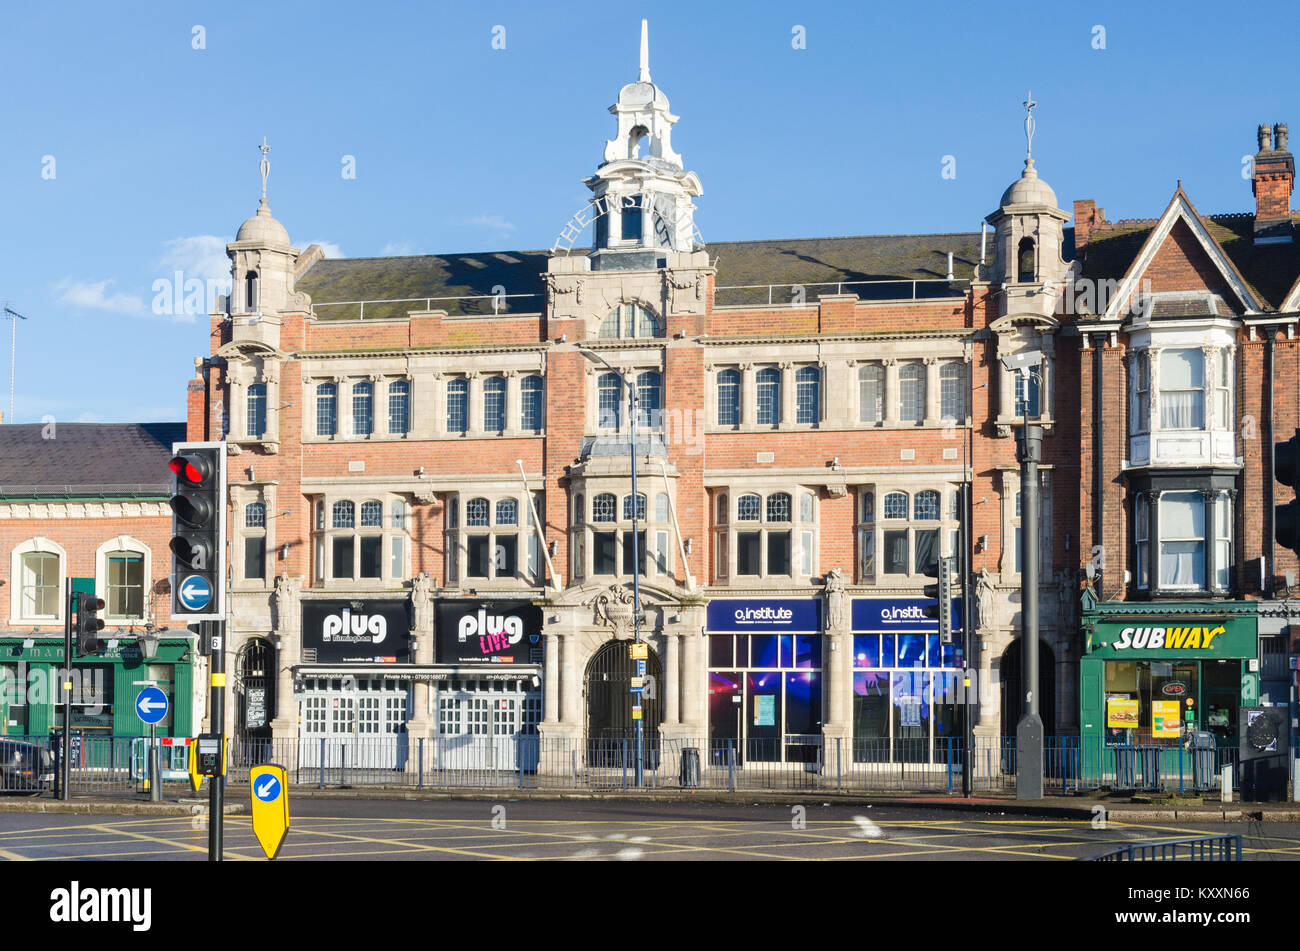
x: 367, y: 830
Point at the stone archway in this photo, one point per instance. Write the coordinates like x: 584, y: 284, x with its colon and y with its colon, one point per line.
x: 1012, y: 680
x: 606, y: 689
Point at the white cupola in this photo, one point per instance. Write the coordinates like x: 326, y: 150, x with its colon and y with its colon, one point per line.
x: 261, y: 259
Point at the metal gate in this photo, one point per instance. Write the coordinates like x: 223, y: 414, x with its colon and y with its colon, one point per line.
x: 486, y: 726
x: 607, y: 687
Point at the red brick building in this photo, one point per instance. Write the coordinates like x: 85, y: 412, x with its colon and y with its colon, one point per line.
x: 432, y: 510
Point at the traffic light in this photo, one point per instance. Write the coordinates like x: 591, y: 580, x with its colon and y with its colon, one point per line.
x: 198, y: 531
x: 941, y: 591
x: 1286, y: 469
x: 89, y: 624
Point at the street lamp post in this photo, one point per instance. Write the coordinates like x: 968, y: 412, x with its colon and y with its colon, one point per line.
x: 638, y: 724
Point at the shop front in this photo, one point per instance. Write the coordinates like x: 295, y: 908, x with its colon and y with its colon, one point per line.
x: 765, y: 679
x: 486, y: 684
x: 354, y: 688
x: 104, y: 688
x: 906, y: 696
x: 1152, y: 677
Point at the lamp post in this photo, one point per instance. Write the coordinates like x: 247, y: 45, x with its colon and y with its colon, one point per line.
x: 1029, y: 448
x: 638, y: 723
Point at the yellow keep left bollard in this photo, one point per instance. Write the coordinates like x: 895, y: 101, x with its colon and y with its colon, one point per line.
x: 270, y: 793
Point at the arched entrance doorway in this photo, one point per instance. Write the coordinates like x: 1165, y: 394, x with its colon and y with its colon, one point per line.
x: 1012, y: 678
x: 255, y: 689
x: 607, y: 687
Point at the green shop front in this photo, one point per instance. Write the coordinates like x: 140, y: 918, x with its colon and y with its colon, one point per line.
x: 104, y: 687
x: 1168, y: 675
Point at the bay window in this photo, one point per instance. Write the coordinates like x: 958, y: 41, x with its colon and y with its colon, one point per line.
x: 1183, y: 540
x: 1182, y: 388
x: 772, y: 536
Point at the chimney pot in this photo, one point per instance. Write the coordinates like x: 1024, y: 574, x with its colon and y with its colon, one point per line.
x: 1279, y: 137
x: 1265, y: 138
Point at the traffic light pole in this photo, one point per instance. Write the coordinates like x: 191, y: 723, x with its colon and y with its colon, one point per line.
x: 216, y: 631
x: 65, y: 741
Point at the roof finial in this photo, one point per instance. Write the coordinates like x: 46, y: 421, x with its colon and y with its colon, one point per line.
x: 644, y: 76
x: 1029, y: 105
x: 264, y: 166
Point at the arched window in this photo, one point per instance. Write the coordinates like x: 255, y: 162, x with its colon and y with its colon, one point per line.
x: 871, y: 393
x: 257, y: 410
x: 640, y: 507
x: 896, y: 505
x: 507, y: 512
x: 476, y: 513
x: 609, y: 403
x: 363, y: 408
x: 494, y: 404
x: 399, y: 407
x: 326, y: 409
x: 768, y: 381
x: 344, y: 515
x: 729, y: 398
x: 602, y: 507
x: 630, y: 320
x: 952, y: 391
x: 911, y: 393
x: 372, y: 514
x: 530, y: 403
x: 807, y: 395
x: 749, y: 508
x: 650, y: 399
x: 1025, y: 264
x: 925, y: 505
x: 250, y: 292
x: 255, y: 515
x: 778, y: 507
x: 458, y: 405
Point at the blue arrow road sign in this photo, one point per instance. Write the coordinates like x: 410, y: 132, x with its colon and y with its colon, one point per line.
x: 195, y: 592
x: 267, y: 788
x: 151, y: 705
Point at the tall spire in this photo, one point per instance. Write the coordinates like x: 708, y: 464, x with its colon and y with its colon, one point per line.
x: 1029, y: 105
x: 644, y: 75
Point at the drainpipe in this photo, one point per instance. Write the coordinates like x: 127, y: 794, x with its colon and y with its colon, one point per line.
x: 1269, y: 500
x: 1098, y: 484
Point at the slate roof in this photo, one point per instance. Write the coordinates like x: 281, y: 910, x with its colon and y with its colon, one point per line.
x: 1269, y: 269
x: 816, y: 263
x: 114, y: 460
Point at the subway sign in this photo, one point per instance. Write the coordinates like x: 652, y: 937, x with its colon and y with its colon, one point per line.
x: 1170, y: 638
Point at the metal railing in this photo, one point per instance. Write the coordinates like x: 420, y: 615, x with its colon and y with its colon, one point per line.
x: 465, y: 305
x: 1207, y: 848
x: 114, y: 764
x: 805, y: 295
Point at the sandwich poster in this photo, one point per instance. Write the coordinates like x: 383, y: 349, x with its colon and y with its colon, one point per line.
x: 1121, y: 714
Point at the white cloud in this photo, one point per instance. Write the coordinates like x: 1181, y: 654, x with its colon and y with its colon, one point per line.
x: 490, y: 221
x: 331, y: 249
x: 397, y: 249
x: 201, y: 256
x: 93, y: 295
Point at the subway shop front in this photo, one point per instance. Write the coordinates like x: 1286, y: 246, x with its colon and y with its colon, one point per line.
x: 1153, y: 676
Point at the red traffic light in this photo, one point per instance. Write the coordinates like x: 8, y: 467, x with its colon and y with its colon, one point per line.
x: 192, y: 469
x: 90, y: 603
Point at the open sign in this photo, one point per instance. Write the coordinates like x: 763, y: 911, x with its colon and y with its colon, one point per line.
x: 1175, y: 688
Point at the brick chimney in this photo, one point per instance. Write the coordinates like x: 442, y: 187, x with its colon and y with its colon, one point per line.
x: 1087, y: 219
x: 1272, y: 183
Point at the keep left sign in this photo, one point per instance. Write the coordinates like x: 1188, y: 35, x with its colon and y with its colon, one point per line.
x: 270, y: 795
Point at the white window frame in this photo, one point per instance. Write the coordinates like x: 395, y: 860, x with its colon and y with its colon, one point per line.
x: 43, y: 546
x: 129, y: 545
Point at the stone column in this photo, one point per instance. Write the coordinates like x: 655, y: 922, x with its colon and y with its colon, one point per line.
x: 748, y: 396
x: 570, y: 688
x: 551, y: 681
x: 787, y: 393
x: 512, y: 400
x: 431, y: 417
x: 931, y: 391
x: 891, y: 391
x: 672, y: 680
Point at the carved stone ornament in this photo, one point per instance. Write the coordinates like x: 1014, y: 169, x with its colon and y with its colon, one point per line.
x: 425, y: 495
x: 612, y: 608
x: 836, y: 601
x: 286, y: 600
x: 422, y: 602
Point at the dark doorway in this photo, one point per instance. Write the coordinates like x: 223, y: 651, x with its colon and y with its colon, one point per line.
x: 607, y: 686
x: 1012, y: 678
x: 256, y: 689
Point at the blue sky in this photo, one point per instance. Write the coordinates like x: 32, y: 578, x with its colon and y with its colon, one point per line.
x: 459, y: 146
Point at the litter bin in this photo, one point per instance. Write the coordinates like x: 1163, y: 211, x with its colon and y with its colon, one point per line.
x: 690, y: 766
x: 1205, y: 755
x: 1126, y: 767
